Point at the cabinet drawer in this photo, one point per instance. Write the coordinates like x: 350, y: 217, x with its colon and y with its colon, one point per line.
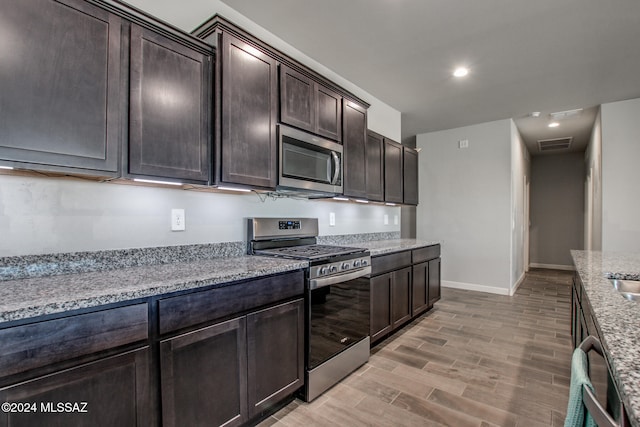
x: 425, y: 254
x: 390, y: 262
x: 39, y: 344
x: 199, y: 307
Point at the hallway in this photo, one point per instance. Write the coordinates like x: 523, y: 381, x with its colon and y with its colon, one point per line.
x: 476, y: 359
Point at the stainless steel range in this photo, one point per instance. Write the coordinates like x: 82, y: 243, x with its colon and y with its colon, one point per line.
x: 336, y: 297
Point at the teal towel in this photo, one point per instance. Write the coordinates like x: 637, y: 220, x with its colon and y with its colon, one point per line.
x: 577, y: 415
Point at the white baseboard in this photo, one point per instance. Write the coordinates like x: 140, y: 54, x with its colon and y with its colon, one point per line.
x: 552, y: 266
x: 474, y: 287
x: 519, y: 282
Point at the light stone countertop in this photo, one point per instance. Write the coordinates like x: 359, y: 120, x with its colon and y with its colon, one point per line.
x: 57, y: 283
x: 383, y: 247
x: 617, y: 319
x: 31, y: 297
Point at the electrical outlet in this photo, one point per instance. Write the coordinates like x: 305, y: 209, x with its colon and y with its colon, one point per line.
x: 177, y: 220
x: 332, y: 219
x: 385, y: 219
x: 395, y: 220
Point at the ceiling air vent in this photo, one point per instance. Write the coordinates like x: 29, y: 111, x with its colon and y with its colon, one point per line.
x: 555, y: 144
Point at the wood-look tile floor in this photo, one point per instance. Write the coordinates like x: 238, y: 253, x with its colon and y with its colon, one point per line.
x: 476, y: 359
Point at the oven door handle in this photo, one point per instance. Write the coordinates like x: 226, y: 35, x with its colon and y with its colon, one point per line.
x: 332, y: 280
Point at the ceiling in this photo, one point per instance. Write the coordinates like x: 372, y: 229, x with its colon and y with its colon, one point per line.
x: 523, y: 55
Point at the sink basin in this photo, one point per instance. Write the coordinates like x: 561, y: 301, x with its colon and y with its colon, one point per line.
x: 630, y: 289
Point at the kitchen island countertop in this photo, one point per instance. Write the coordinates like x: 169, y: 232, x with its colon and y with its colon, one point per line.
x: 616, y: 318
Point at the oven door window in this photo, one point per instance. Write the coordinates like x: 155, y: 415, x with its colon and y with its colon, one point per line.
x: 309, y: 162
x: 339, y: 318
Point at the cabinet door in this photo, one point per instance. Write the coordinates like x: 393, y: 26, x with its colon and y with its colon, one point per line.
x: 170, y: 112
x: 420, y: 288
x: 248, y: 114
x: 393, y: 191
x: 275, y: 338
x: 115, y: 390
x: 434, y: 281
x: 60, y: 85
x: 204, y: 376
x: 297, y: 103
x: 400, y: 297
x: 380, y: 306
x: 355, y: 135
x: 410, y: 175
x: 375, y: 167
x: 328, y: 107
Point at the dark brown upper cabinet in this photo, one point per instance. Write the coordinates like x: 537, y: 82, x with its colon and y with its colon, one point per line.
x: 297, y: 107
x: 306, y: 104
x: 410, y: 177
x: 247, y: 79
x: 60, y: 86
x: 354, y: 152
x: 393, y: 172
x: 170, y: 108
x: 375, y: 167
x: 329, y: 113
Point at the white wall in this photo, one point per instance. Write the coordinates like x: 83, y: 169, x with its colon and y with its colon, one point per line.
x: 620, y: 178
x: 41, y: 215
x: 593, y: 188
x: 465, y: 201
x: 520, y: 173
x: 557, y: 209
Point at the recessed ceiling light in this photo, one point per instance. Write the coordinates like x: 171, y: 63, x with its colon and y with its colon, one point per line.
x: 461, y: 72
x: 554, y: 124
x: 534, y: 114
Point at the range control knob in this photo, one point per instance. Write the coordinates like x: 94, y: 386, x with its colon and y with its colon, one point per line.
x: 346, y: 266
x: 365, y: 262
x: 356, y: 263
x: 323, y: 270
x: 333, y: 269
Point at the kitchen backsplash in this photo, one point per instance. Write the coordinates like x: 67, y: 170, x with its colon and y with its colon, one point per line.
x: 44, y: 215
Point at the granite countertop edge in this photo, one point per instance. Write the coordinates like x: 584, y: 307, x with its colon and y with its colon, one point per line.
x: 616, y: 318
x: 31, y: 297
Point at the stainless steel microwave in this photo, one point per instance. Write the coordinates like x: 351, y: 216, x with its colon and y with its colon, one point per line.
x: 308, y: 162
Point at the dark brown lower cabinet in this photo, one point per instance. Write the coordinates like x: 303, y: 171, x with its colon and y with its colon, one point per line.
x: 204, y: 376
x: 229, y: 372
x: 275, y: 349
x: 434, y: 281
x: 403, y: 285
x: 400, y: 297
x: 390, y: 301
x: 113, y: 391
x: 420, y: 289
x: 380, y: 287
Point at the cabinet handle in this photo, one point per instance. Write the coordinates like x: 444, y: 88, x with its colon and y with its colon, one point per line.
x: 336, y: 167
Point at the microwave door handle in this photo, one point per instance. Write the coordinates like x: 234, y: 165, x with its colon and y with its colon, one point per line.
x: 336, y: 164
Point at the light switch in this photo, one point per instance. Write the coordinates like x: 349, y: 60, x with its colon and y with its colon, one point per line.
x: 463, y: 143
x: 385, y: 219
x: 332, y: 219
